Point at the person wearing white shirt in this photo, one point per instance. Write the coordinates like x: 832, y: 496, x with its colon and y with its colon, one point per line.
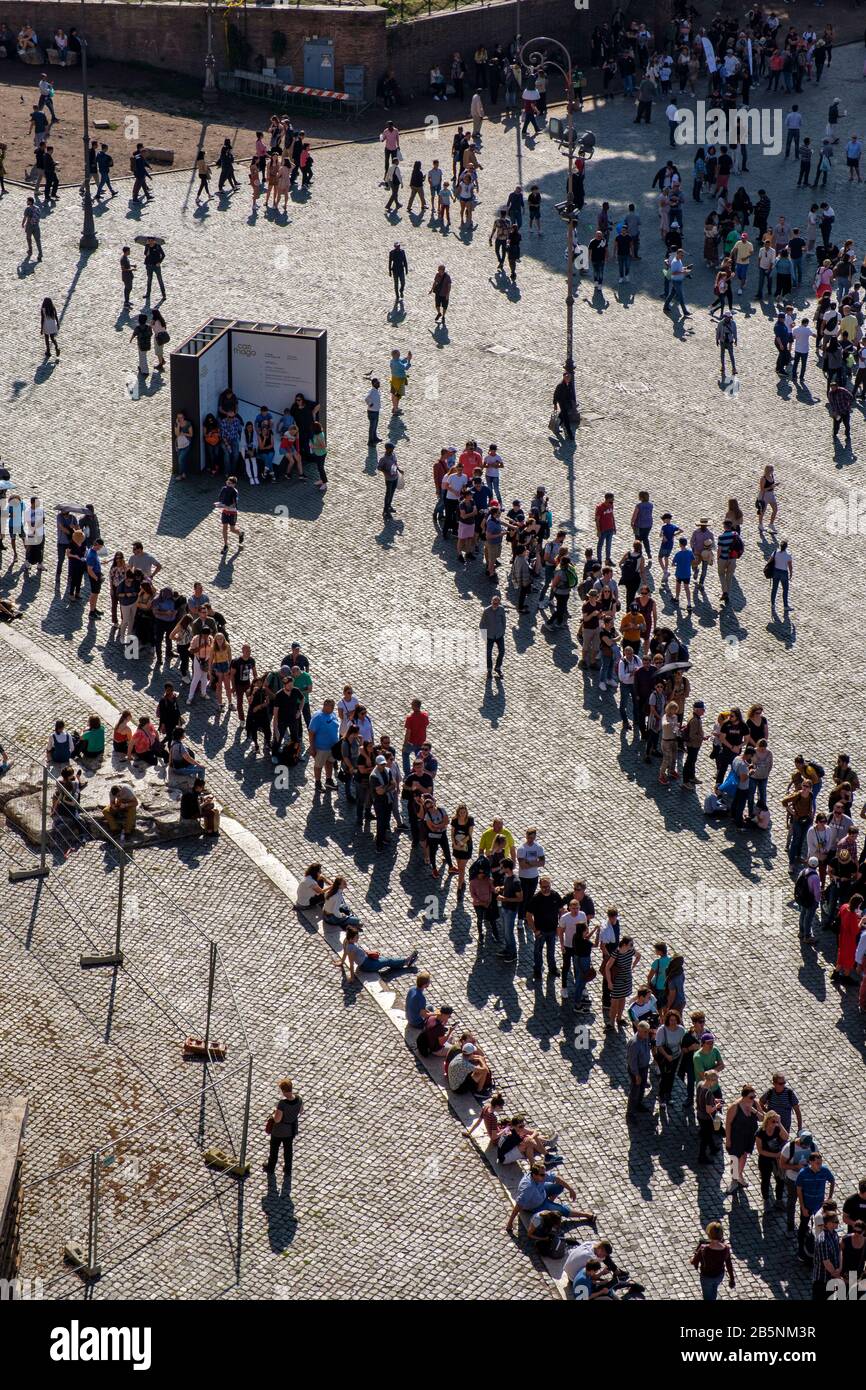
x: 530, y: 862
x: 580, y: 1255
x: 373, y: 402
x: 570, y: 922
x: 802, y: 335
x: 628, y: 664
x: 34, y: 535
x: 346, y: 709
x: 783, y: 569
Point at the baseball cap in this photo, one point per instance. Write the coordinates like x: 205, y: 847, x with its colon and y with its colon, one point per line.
x: 813, y: 862
x: 708, y: 1037
x: 469, y: 1049
x: 805, y: 1134
x: 494, y: 505
x: 380, y: 759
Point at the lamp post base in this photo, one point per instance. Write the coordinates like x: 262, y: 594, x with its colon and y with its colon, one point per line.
x: 209, y: 94
x: 89, y: 241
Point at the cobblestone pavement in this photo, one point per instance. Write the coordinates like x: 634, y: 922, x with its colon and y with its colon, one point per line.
x: 546, y: 750
x: 102, y: 1068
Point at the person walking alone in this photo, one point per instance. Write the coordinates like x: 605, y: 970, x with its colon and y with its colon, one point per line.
x: 49, y: 326
x: 153, y: 259
x: 282, y: 1130
x: 726, y: 340
x: 391, y: 472
x: 441, y: 291
x: 30, y: 223
x: 492, y: 625
x: 397, y: 268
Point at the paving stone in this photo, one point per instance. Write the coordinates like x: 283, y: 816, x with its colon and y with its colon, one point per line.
x: 546, y: 750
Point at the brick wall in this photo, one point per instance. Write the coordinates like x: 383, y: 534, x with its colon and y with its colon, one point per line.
x: 174, y: 36
x: 414, y: 47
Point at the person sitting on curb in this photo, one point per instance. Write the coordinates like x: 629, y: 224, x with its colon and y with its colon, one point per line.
x: 437, y: 1029
x: 489, y: 1118
x: 519, y: 1141
x: 91, y: 744
x: 536, y: 1192
x: 312, y: 888
x: 120, y: 812
x: 357, y: 958
x: 467, y: 1070
x: 197, y: 804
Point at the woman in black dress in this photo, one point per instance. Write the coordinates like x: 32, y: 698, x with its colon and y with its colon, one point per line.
x: 741, y: 1127
x: 306, y: 417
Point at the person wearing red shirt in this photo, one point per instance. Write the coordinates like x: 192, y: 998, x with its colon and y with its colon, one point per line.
x: 605, y: 525
x: 415, y: 725
x: 470, y: 459
x: 850, y: 924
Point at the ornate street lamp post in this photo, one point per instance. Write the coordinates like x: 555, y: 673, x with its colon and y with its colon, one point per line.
x: 535, y: 58
x: 89, y: 240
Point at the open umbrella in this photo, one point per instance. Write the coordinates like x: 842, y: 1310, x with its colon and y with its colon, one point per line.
x: 670, y: 666
x: 149, y: 236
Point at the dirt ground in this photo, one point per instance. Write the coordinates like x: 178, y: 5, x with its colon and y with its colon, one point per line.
x: 166, y: 110
x: 160, y: 109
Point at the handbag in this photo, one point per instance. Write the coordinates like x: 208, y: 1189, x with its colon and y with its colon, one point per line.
x: 401, y: 480
x: 163, y: 336
x: 553, y: 422
x: 770, y: 566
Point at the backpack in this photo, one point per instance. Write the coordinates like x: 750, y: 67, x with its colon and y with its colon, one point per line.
x: 132, y: 168
x: 61, y: 752
x: 816, y: 767
x: 571, y: 574
x: 628, y: 568
x: 422, y: 1043
x: 736, y: 548
x: 802, y: 892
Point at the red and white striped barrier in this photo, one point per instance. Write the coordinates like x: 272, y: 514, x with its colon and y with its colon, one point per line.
x: 318, y: 92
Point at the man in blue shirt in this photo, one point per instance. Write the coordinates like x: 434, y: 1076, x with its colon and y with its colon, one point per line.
x: 324, y: 734
x: 94, y: 574
x: 536, y: 1191
x: 812, y: 1193
x: 683, y: 572
x: 416, y: 1002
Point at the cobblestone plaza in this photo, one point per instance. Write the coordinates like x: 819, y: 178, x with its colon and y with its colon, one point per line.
x: 385, y: 607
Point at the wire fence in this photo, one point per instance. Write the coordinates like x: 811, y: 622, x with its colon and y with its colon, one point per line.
x: 171, y: 1012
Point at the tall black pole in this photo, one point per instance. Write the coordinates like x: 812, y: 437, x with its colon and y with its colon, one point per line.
x: 537, y: 58
x: 209, y: 90
x: 569, y: 209
x: 89, y: 240
x: 520, y: 84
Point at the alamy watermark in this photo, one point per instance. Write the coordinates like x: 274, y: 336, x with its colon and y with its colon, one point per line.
x: 846, y: 516
x: 746, y: 125
x: 443, y: 648
x: 705, y: 906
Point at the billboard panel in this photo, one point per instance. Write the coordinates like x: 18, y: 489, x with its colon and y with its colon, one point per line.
x: 213, y: 377
x: 269, y: 368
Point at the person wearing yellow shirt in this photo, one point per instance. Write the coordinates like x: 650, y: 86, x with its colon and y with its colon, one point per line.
x: 741, y: 254
x: 485, y: 844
